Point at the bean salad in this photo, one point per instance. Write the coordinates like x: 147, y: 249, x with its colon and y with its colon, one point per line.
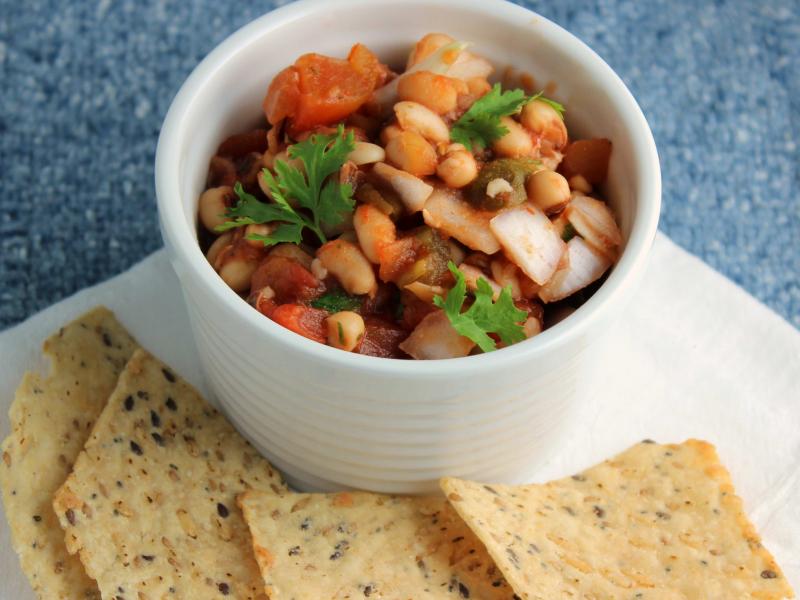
x: 423, y: 214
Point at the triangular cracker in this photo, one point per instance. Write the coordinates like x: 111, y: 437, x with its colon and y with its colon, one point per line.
x: 361, y: 545
x: 51, y: 419
x: 150, y: 505
x: 655, y: 522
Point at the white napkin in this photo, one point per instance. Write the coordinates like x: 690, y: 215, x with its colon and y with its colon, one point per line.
x: 694, y: 356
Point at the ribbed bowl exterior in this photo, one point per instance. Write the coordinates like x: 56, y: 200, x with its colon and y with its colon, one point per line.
x: 330, y: 419
x: 339, y: 428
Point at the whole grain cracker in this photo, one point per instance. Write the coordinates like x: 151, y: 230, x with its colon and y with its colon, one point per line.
x: 358, y: 544
x: 150, y: 505
x: 51, y: 419
x: 657, y: 521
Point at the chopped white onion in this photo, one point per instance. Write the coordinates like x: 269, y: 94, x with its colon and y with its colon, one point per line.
x: 447, y: 211
x: 434, y: 338
x: 468, y: 66
x: 529, y: 240
x: 595, y: 223
x: 412, y: 190
x: 585, y: 265
x: 385, y: 97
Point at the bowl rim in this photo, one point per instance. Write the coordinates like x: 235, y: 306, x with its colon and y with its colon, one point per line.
x: 181, y: 241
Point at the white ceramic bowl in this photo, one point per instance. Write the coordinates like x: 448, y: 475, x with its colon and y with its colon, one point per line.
x: 332, y: 419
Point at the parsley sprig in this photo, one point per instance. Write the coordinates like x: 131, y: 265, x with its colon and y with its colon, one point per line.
x: 321, y: 199
x: 484, y: 316
x: 480, y: 125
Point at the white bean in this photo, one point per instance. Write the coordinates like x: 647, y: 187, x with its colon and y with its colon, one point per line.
x: 374, y: 229
x: 213, y: 204
x: 366, y: 153
x: 318, y: 270
x: 345, y: 330
x: 415, y: 116
x: 412, y: 153
x: 345, y: 261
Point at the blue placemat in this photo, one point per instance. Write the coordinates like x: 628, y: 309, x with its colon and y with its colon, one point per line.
x: 85, y: 85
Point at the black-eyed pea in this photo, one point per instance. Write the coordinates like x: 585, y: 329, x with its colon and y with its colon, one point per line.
x: 237, y: 264
x: 548, y: 190
x: 213, y: 204
x: 345, y: 330
x: 216, y: 248
x: 515, y: 143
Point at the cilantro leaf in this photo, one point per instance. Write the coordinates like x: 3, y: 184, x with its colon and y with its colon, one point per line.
x: 559, y: 108
x: 336, y: 301
x: 320, y: 198
x: 250, y: 211
x: 284, y: 232
x: 480, y: 125
x: 322, y: 156
x: 484, y: 316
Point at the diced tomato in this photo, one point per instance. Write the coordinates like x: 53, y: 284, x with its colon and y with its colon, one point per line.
x: 290, y: 280
x: 282, y: 96
x: 382, y: 338
x: 240, y: 144
x: 588, y: 158
x: 320, y: 90
x: 308, y: 322
x: 367, y: 64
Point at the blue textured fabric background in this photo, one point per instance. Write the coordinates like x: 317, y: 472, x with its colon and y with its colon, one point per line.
x: 85, y: 85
